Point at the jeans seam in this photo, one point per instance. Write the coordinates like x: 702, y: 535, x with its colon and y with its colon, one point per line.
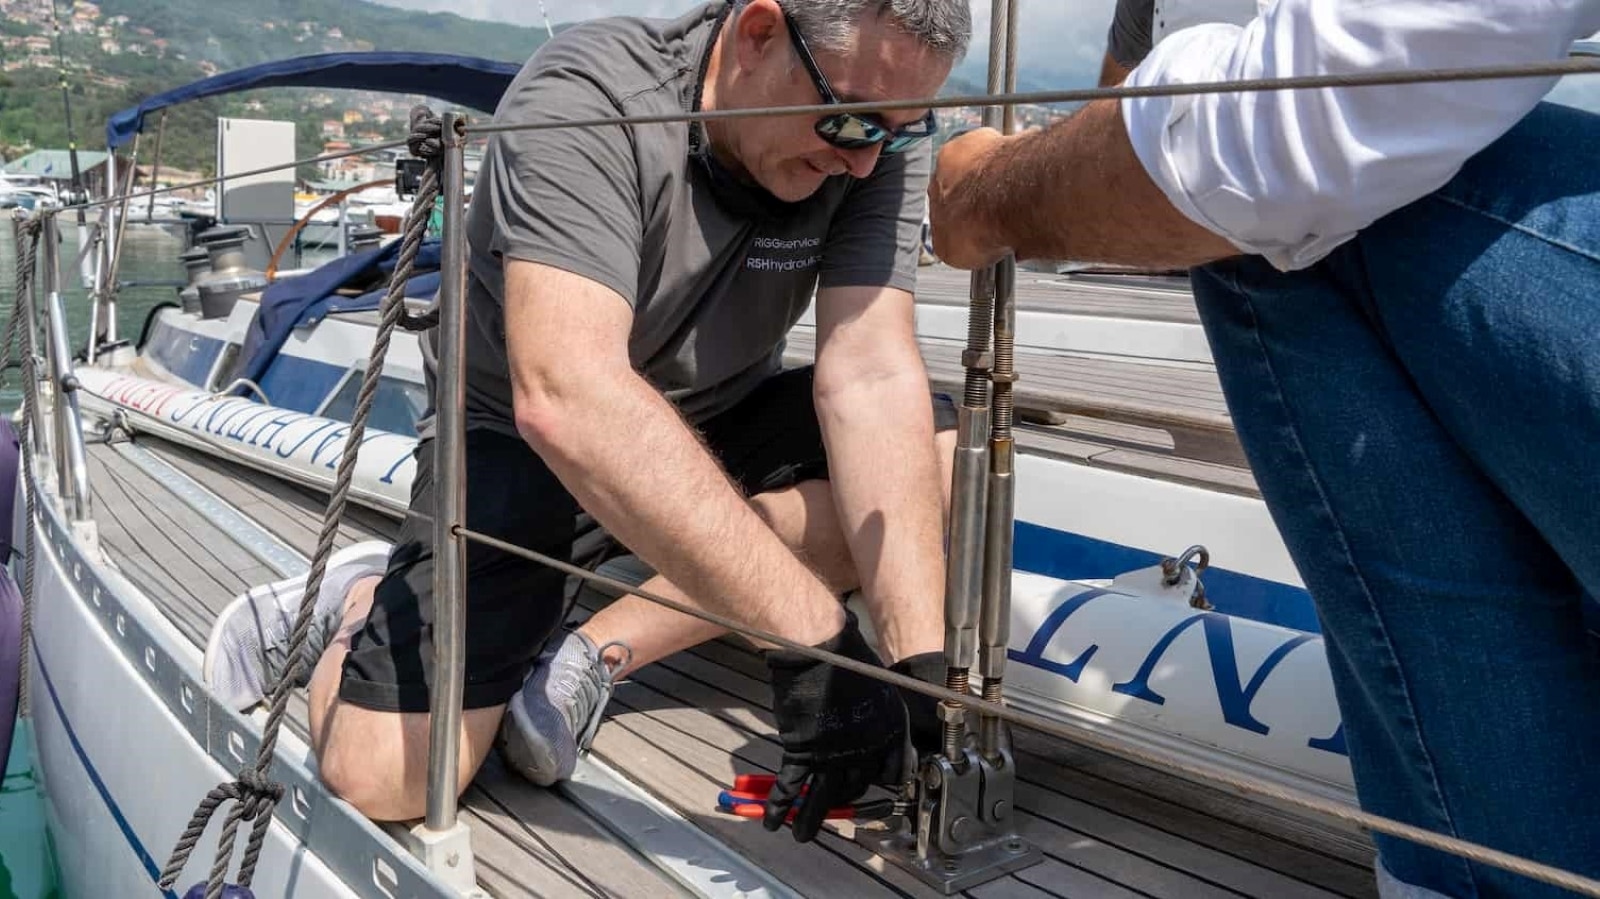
x: 1344, y: 549
x: 1518, y: 227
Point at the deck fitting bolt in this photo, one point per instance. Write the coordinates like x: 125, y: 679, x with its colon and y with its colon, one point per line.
x: 453, y: 859
x: 1014, y: 846
x: 1002, y: 808
x: 961, y: 829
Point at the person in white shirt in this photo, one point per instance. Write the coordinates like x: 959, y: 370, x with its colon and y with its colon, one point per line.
x: 1401, y: 287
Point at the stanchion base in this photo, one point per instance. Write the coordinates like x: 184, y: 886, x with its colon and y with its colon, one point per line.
x: 448, y: 854
x: 951, y: 874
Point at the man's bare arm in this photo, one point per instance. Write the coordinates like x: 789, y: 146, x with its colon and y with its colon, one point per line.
x: 1073, y: 191
x: 635, y: 465
x: 872, y: 400
x: 1112, y: 73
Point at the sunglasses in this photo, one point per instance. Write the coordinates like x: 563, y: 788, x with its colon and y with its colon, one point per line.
x: 849, y: 131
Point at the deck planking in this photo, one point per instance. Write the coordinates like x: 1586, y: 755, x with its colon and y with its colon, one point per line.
x: 683, y: 727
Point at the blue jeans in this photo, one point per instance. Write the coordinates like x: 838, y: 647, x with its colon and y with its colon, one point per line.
x: 1422, y: 412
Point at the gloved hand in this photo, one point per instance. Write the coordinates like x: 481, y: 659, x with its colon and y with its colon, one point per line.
x: 842, y: 732
x: 927, y: 731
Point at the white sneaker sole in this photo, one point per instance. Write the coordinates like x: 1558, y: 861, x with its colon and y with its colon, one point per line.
x: 372, y: 552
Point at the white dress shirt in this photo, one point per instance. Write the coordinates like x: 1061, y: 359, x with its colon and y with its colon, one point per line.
x: 1291, y: 175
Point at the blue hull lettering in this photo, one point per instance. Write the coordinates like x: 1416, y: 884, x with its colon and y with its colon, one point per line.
x: 1234, y: 697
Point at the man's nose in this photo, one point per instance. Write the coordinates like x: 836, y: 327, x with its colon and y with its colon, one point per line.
x: 861, y: 162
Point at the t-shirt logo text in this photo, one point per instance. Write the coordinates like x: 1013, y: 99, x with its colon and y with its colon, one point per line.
x: 780, y: 254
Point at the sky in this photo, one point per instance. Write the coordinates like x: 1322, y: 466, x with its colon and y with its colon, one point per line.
x: 1060, y: 47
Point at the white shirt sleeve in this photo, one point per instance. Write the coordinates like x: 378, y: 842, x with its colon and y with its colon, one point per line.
x: 1291, y: 175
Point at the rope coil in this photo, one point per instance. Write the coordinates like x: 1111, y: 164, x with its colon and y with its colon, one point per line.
x: 253, y: 792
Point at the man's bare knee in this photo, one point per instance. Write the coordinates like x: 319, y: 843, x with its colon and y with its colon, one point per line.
x: 378, y: 761
x: 362, y: 759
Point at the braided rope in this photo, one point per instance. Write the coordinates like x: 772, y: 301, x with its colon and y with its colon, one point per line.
x: 27, y: 235
x: 253, y: 792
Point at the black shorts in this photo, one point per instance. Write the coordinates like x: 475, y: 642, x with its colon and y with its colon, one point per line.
x: 768, y: 441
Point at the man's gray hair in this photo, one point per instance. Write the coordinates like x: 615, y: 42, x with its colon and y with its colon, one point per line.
x: 943, y: 26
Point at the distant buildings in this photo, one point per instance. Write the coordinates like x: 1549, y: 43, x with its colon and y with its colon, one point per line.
x: 55, y: 166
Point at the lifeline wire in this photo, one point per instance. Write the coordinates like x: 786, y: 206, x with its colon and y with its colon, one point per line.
x: 1577, y: 66
x: 1574, y: 66
x: 1484, y: 854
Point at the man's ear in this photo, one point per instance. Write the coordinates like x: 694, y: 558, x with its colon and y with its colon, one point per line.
x: 759, y: 30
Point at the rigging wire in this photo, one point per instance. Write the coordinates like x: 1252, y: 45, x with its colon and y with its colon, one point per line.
x: 1581, y: 65
x: 1571, y: 66
x: 78, y: 194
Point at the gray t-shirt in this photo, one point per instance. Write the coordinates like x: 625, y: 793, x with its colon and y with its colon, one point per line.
x: 716, y: 271
x: 1129, y: 40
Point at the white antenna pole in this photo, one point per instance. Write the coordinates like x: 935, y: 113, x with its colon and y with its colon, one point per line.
x: 551, y: 32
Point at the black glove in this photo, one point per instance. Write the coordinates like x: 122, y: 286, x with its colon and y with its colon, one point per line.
x: 927, y: 731
x: 842, y: 732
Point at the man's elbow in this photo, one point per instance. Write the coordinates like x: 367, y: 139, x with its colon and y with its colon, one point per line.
x: 870, y: 385
x: 546, y: 405
x: 537, y: 420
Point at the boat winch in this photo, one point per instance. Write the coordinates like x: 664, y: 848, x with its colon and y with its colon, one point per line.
x: 230, y: 277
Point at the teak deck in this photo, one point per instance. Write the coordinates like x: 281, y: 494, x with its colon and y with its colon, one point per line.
x: 681, y: 729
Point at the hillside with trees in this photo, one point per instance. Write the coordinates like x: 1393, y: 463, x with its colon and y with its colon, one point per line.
x: 112, y: 54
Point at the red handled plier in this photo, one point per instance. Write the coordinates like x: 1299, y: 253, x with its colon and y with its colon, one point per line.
x: 748, y: 799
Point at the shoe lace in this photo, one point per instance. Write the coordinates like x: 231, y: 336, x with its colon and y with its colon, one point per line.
x: 594, y: 690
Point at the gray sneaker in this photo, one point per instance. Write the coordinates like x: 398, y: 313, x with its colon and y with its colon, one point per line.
x: 249, y: 645
x: 555, y: 715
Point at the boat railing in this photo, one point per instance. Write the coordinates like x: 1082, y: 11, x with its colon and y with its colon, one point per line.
x: 961, y: 834
x: 56, y: 431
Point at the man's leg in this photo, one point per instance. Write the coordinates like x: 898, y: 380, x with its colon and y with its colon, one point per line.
x: 369, y: 694
x: 1420, y: 411
x: 771, y: 445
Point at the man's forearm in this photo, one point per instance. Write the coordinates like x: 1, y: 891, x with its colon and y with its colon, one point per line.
x: 1077, y: 191
x: 881, y: 461
x: 632, y: 462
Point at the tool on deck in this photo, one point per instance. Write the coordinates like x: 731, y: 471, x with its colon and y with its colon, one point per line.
x: 748, y: 799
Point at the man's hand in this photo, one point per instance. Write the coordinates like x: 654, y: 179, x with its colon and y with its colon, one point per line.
x: 842, y: 732
x: 960, y: 201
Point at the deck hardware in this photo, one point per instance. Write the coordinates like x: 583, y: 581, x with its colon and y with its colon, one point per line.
x: 960, y: 832
x: 1176, y: 570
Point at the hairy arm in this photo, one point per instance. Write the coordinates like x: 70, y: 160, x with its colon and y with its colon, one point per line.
x: 1286, y: 175
x: 1073, y: 191
x: 1112, y: 73
x: 872, y: 401
x: 635, y: 465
